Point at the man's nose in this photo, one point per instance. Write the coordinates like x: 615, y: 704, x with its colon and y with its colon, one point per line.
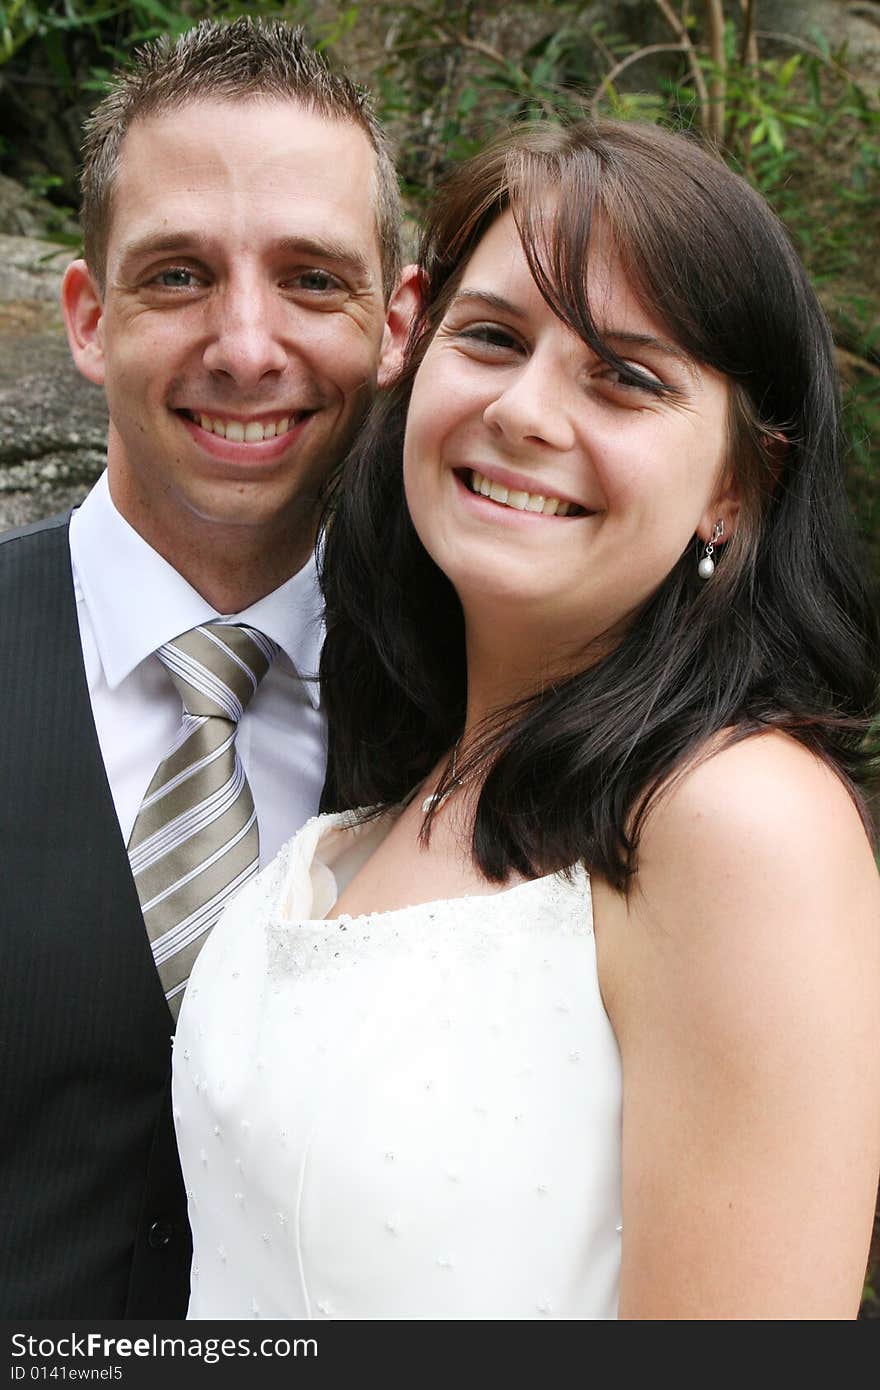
x: 246, y: 339
x: 534, y: 405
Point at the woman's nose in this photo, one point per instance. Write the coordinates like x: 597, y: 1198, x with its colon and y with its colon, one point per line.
x: 534, y: 407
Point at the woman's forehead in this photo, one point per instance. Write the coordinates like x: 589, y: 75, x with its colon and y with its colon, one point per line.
x: 501, y: 266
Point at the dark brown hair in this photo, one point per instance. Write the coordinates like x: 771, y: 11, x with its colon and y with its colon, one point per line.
x: 784, y: 636
x: 243, y: 60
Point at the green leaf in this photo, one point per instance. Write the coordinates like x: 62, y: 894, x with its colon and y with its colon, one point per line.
x: 172, y: 20
x: 468, y: 100
x: 775, y: 134
x: 821, y: 42
x: 788, y: 70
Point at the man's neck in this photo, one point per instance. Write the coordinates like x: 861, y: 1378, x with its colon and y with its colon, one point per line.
x: 230, y: 566
x: 244, y: 575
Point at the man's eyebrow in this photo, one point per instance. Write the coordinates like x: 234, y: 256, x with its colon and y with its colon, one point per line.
x: 325, y: 249
x: 182, y: 241
x: 157, y: 243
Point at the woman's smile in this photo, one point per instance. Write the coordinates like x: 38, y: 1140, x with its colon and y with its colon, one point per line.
x: 502, y: 489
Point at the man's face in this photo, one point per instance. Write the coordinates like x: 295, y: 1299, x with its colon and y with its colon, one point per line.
x: 240, y: 335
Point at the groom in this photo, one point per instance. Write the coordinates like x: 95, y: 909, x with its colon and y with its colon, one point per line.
x: 239, y: 303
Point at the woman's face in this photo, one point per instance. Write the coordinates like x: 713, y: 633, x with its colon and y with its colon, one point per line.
x: 594, y: 487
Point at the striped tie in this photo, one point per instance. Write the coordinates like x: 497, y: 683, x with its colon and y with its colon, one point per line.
x: 195, y: 840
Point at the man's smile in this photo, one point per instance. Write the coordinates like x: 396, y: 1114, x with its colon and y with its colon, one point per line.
x: 246, y: 431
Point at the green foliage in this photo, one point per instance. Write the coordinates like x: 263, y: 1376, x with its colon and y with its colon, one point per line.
x: 449, y: 75
x: 111, y: 29
x: 448, y: 85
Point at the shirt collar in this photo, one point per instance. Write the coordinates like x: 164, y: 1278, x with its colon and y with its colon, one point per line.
x: 136, y: 601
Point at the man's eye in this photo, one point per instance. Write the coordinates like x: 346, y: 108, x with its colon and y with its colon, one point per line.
x: 317, y: 281
x: 177, y: 277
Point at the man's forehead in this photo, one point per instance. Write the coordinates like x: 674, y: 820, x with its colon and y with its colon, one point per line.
x: 282, y: 114
x: 284, y: 159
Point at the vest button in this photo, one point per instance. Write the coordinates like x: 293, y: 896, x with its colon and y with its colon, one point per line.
x: 160, y: 1234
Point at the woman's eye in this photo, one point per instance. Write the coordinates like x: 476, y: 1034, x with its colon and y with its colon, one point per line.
x: 490, y: 335
x: 631, y: 377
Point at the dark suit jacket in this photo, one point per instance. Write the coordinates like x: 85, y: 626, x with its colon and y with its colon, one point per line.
x: 92, y: 1208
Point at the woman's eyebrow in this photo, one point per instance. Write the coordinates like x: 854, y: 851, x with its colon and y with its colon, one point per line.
x: 492, y: 301
x: 647, y: 340
x: 613, y: 336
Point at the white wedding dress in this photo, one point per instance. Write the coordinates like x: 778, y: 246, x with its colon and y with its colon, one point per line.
x: 412, y: 1114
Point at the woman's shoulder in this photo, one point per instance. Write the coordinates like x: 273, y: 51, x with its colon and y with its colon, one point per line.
x: 752, y: 856
x: 762, y: 801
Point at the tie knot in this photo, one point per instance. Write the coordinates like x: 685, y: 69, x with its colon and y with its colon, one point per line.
x: 217, y: 667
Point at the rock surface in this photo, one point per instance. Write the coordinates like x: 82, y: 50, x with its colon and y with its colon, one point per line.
x: 53, y: 423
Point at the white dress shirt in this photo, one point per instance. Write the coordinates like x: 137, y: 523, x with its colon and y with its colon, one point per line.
x: 129, y: 602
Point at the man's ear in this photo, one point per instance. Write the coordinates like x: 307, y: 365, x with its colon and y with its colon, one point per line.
x: 400, y: 314
x: 83, y: 318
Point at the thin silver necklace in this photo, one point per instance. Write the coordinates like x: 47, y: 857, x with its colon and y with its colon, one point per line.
x: 436, y: 799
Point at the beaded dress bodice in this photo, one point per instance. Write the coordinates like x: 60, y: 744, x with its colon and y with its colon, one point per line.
x: 410, y: 1114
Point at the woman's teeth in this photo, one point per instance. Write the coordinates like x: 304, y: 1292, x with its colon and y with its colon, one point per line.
x: 522, y: 501
x: 251, y: 433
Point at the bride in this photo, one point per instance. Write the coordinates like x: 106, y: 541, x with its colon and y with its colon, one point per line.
x: 579, y: 1019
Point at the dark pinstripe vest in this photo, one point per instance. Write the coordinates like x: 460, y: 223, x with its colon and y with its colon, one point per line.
x: 92, y: 1208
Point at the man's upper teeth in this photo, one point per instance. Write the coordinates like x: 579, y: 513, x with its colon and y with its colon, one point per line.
x: 514, y: 497
x: 240, y: 433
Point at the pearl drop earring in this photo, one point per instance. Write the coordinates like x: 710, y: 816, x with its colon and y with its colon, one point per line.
x: 706, y: 567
